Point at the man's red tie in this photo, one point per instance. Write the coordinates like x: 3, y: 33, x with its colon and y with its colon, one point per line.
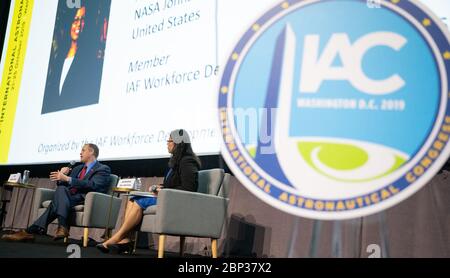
x: 82, y: 173
x: 73, y: 190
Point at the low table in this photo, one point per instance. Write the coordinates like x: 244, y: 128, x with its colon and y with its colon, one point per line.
x: 10, y: 187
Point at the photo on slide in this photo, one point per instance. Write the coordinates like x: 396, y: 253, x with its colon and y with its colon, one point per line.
x: 76, y: 59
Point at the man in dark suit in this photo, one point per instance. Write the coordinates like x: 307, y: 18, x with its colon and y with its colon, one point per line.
x: 91, y: 176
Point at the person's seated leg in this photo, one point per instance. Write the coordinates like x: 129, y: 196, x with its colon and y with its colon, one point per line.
x: 25, y: 235
x: 37, y: 228
x: 63, y: 228
x: 60, y: 206
x: 63, y: 203
x: 120, y: 240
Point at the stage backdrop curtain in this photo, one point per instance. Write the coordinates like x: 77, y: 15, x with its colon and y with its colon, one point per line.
x: 418, y: 227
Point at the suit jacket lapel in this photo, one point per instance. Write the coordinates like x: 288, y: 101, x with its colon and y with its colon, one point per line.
x: 93, y: 169
x: 76, y: 171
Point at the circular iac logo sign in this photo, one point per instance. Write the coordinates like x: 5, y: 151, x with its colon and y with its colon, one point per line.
x: 335, y: 109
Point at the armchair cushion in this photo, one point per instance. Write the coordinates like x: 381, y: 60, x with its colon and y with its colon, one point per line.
x: 150, y: 210
x: 225, y: 187
x: 40, y: 195
x: 96, y: 210
x: 187, y: 213
x: 94, y: 213
x: 47, y: 203
x: 209, y: 181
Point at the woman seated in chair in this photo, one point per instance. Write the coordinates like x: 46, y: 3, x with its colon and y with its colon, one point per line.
x: 182, y: 175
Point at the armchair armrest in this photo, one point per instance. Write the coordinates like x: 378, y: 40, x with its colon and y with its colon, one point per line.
x: 97, y: 209
x: 40, y: 195
x: 190, y: 213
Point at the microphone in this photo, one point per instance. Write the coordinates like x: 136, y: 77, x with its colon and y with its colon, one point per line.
x: 71, y: 164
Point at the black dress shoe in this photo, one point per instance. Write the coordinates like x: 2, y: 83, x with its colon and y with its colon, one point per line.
x: 122, y: 248
x: 102, y: 248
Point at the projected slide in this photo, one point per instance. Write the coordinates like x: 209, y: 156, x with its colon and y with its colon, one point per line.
x: 76, y: 57
x: 120, y: 74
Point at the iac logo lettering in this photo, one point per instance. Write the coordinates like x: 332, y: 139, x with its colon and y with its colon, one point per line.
x: 332, y: 110
x: 316, y: 70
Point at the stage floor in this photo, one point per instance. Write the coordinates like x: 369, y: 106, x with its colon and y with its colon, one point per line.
x: 45, y: 247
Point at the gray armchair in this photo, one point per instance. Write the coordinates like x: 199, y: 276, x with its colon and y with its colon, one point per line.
x: 98, y: 211
x: 190, y: 214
